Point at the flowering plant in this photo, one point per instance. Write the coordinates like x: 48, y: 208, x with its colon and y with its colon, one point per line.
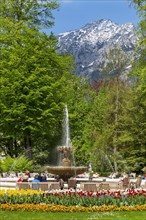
x: 75, y: 198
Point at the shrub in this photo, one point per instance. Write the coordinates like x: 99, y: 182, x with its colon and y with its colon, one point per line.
x: 21, y: 163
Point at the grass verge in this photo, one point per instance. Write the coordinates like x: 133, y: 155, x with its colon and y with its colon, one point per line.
x: 117, y: 215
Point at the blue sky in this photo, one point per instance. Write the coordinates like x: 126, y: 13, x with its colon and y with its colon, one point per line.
x: 74, y: 14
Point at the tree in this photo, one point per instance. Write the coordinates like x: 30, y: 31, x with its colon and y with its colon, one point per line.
x: 86, y: 118
x: 33, y: 75
x: 105, y: 138
x: 79, y: 98
x: 140, y: 5
x: 113, y: 69
x: 34, y: 13
x: 139, y: 103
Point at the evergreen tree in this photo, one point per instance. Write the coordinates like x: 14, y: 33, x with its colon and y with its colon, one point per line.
x: 105, y: 141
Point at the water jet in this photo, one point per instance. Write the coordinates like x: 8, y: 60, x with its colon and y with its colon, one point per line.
x: 66, y: 167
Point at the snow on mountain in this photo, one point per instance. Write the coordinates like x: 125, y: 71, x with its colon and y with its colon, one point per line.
x: 88, y: 44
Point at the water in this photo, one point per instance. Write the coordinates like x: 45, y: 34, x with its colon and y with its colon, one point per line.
x: 74, y: 163
x: 66, y: 128
x: 66, y: 167
x: 122, y: 165
x: 109, y: 162
x: 66, y: 138
x: 66, y: 142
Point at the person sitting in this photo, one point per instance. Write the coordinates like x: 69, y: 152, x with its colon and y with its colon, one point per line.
x: 20, y: 178
x: 126, y: 182
x: 25, y: 178
x: 36, y: 179
x: 40, y: 177
x: 44, y: 178
x: 27, y: 173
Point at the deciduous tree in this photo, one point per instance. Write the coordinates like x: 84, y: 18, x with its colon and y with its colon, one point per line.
x: 33, y: 76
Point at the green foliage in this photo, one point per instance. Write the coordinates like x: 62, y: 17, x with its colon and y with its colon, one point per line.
x: 79, y: 98
x: 33, y: 13
x: 40, y: 158
x: 38, y: 168
x: 22, y: 163
x: 140, y: 6
x: 18, y: 164
x: 136, y: 156
x: 33, y: 75
x: 112, y: 131
x: 7, y: 163
x: 115, y: 63
x: 106, y: 146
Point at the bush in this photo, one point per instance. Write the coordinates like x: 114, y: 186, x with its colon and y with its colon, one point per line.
x: 18, y: 164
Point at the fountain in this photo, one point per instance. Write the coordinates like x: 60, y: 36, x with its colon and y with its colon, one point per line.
x: 66, y: 167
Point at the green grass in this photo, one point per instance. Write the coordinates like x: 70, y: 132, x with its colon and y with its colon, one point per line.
x: 24, y: 215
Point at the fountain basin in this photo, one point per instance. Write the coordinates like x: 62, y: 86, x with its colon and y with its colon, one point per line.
x: 65, y: 172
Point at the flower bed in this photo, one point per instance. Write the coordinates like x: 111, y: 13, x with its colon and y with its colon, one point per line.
x: 59, y: 208
x: 72, y: 200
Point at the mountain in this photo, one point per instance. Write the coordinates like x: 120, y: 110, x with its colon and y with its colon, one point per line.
x: 89, y: 44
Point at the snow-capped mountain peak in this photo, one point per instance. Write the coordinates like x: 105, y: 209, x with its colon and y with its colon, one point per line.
x: 89, y: 43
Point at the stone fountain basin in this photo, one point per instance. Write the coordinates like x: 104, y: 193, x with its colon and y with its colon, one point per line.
x: 66, y: 172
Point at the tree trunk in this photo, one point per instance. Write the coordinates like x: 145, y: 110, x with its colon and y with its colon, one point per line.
x: 9, y: 146
x: 16, y: 150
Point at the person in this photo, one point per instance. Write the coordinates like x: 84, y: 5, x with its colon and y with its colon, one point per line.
x: 44, y: 178
x: 90, y: 176
x: 25, y: 178
x: 57, y: 177
x: 27, y: 173
x: 20, y: 178
x: 125, y: 182
x: 2, y: 175
x: 61, y: 183
x: 36, y: 179
x: 40, y: 177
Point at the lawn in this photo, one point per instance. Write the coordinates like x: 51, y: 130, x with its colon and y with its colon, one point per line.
x: 121, y: 215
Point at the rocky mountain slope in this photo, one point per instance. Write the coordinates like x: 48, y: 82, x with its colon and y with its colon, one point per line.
x: 89, y: 43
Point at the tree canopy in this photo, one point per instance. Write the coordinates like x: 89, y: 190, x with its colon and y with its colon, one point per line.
x: 34, y: 13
